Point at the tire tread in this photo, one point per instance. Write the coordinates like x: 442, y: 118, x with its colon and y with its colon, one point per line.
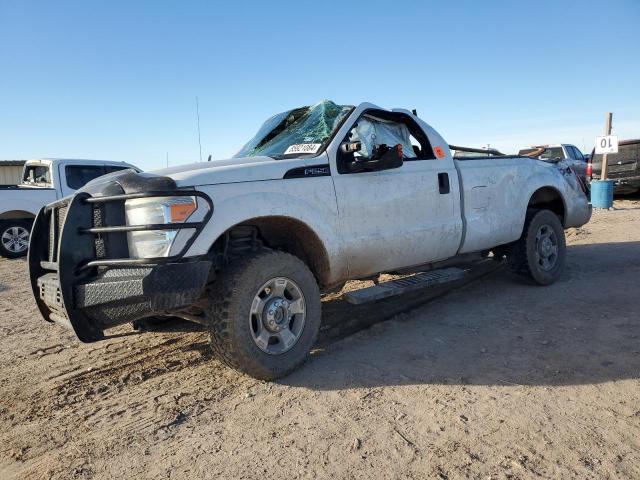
x: 518, y: 256
x: 223, y: 297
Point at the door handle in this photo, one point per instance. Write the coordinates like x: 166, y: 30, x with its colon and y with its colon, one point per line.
x: 443, y: 183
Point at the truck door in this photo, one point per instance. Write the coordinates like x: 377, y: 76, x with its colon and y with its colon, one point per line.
x: 398, y: 217
x: 576, y: 160
x: 75, y: 176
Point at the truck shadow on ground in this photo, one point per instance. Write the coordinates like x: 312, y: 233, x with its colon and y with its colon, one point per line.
x: 498, y: 330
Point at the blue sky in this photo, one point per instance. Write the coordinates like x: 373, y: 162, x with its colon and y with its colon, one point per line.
x: 118, y: 79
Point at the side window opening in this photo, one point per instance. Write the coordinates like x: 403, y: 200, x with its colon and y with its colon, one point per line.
x: 577, y: 153
x: 113, y: 168
x: 79, y: 175
x: 415, y: 145
x: 379, y: 128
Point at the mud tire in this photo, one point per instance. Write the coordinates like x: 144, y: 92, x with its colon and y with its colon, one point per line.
x: 523, y: 256
x: 229, y: 301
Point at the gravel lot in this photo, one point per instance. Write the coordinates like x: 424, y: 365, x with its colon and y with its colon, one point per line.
x: 496, y: 379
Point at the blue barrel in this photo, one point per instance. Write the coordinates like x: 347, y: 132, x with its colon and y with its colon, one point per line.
x: 602, y: 193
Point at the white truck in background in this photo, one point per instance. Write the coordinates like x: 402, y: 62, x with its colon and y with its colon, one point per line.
x: 320, y: 195
x: 43, y: 181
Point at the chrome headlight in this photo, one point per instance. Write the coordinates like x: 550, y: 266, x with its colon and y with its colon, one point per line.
x: 157, y: 210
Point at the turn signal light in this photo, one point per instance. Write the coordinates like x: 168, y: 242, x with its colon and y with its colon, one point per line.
x: 181, y: 211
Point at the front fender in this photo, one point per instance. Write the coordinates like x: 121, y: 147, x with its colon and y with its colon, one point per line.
x: 308, y: 200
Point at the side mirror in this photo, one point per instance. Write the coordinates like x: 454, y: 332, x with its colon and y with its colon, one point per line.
x: 351, y: 147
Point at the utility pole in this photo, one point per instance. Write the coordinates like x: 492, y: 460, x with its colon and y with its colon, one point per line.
x: 198, y: 115
x: 607, y: 131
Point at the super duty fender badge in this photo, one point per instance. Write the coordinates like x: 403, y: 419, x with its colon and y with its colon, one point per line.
x: 310, y: 171
x: 303, y: 148
x: 316, y: 171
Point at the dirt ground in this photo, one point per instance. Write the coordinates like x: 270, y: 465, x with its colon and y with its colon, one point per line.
x: 496, y: 379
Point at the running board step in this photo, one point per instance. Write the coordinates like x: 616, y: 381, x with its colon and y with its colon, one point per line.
x: 404, y: 285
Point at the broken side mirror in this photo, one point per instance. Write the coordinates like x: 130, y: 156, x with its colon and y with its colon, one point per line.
x: 350, y: 147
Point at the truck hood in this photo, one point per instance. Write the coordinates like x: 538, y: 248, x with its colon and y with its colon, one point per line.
x: 233, y: 170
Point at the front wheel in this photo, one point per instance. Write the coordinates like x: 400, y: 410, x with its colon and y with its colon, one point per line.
x: 14, y: 238
x: 264, y: 314
x: 540, y: 252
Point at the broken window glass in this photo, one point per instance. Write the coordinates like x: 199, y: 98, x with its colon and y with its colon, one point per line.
x: 299, y: 131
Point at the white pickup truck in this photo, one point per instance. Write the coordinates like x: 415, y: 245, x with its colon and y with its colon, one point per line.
x: 320, y: 195
x: 43, y: 181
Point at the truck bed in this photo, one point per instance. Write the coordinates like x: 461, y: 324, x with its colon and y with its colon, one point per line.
x: 492, y: 200
x: 494, y: 192
x: 24, y: 198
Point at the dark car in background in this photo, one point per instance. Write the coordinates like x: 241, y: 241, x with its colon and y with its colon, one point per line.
x: 623, y: 167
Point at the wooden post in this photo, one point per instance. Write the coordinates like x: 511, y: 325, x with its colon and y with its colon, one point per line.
x: 607, y: 131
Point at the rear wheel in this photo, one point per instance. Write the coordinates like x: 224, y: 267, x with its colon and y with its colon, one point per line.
x: 264, y: 313
x: 14, y: 238
x: 540, y: 252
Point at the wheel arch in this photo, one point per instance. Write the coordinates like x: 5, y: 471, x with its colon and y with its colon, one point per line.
x: 290, y: 235
x: 549, y: 198
x: 16, y: 215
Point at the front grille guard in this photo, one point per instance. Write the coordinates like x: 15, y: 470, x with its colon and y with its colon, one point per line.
x: 63, y: 241
x: 53, y: 212
x: 120, y: 262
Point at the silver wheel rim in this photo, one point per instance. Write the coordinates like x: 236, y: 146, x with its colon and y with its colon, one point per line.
x: 15, y: 239
x: 546, y: 250
x: 277, y: 316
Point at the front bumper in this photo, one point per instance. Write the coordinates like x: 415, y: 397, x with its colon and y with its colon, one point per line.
x: 81, y: 274
x: 120, y: 295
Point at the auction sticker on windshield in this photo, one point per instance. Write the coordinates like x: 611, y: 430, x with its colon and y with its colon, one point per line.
x: 303, y: 148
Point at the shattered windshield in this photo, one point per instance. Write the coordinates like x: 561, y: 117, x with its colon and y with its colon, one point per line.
x: 296, y: 132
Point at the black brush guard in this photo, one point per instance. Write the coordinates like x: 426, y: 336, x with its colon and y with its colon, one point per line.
x: 81, y: 274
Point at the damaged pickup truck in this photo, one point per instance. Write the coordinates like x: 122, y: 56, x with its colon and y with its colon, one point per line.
x: 320, y: 195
